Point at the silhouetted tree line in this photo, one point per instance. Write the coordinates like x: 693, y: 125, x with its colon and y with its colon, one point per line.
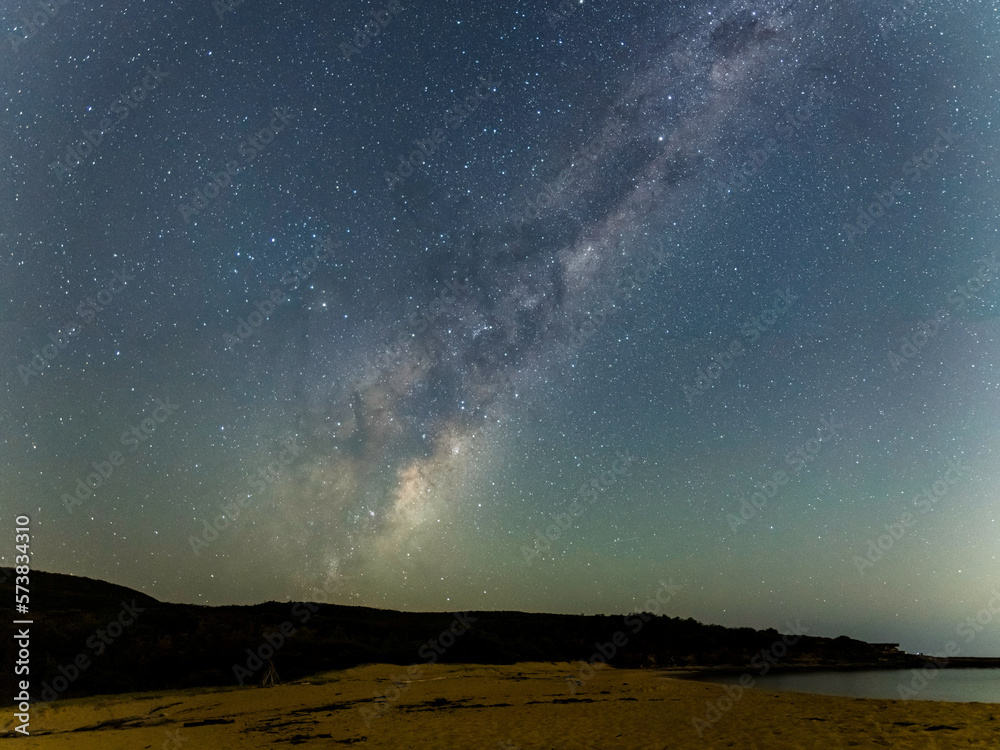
x: 178, y: 645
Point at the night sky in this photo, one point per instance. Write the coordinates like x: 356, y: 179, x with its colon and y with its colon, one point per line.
x: 535, y: 306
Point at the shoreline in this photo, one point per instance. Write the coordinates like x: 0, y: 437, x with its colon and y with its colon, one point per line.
x: 917, y: 662
x: 525, y: 706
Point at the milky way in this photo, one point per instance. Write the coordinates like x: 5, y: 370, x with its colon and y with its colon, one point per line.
x: 523, y: 300
x: 510, y: 307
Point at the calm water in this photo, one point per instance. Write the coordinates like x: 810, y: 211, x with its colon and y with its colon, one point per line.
x: 962, y: 685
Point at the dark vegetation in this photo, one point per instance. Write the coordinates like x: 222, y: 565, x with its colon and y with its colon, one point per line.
x: 183, y: 645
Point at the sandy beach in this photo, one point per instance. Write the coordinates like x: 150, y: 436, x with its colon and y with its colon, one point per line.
x: 529, y: 706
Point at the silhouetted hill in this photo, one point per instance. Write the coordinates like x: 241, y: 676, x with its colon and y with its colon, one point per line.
x: 93, y: 637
